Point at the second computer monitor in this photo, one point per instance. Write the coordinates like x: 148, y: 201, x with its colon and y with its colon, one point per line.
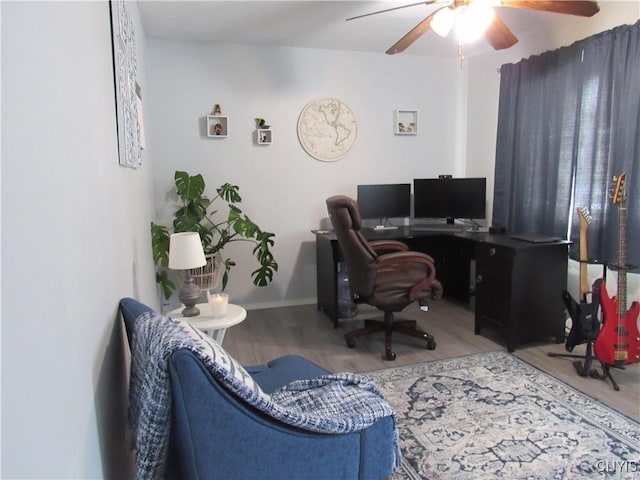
x: 382, y: 201
x: 449, y: 198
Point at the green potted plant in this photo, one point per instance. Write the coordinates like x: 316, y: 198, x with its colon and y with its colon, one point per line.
x: 217, y: 228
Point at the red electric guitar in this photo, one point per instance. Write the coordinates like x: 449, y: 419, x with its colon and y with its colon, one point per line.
x: 618, y: 342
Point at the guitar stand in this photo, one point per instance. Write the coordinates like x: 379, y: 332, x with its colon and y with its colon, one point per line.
x: 584, y: 369
x: 606, y: 374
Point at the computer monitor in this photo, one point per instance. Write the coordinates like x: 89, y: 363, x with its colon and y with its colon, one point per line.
x: 449, y: 198
x: 383, y: 201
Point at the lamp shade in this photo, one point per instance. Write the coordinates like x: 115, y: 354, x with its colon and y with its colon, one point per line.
x: 185, y: 251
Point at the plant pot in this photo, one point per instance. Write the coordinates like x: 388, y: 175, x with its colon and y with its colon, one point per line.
x: 208, y: 276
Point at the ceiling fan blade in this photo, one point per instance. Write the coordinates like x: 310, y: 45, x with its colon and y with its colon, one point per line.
x: 427, y: 2
x: 413, y: 34
x: 499, y: 35
x: 570, y: 7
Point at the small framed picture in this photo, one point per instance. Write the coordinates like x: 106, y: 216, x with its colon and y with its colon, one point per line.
x: 405, y: 122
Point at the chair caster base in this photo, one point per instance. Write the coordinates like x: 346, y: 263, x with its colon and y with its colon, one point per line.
x: 389, y: 355
x: 351, y: 343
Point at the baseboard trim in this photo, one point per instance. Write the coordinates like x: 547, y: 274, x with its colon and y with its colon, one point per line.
x: 279, y: 303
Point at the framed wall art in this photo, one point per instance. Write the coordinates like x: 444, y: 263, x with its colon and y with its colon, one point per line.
x: 405, y: 122
x: 327, y: 129
x: 125, y: 73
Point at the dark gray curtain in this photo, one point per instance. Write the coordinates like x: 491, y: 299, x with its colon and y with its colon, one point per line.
x: 568, y: 121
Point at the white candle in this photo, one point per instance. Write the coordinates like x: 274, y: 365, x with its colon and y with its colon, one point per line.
x: 218, y: 303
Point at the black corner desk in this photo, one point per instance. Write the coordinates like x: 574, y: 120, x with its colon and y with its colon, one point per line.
x: 516, y: 285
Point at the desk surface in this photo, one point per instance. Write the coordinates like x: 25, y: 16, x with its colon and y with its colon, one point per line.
x: 406, y: 232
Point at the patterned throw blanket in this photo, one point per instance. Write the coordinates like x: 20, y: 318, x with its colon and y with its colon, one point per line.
x: 340, y: 403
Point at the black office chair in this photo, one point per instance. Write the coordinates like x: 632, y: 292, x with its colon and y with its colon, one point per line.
x: 382, y: 273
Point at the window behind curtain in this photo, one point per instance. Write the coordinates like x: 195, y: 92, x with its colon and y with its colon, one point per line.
x: 568, y: 121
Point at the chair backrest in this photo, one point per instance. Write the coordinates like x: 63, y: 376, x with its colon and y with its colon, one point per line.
x: 347, y: 223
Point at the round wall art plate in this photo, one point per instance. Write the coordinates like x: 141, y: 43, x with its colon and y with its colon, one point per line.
x: 327, y: 129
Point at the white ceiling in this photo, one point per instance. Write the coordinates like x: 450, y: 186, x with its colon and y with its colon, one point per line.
x: 322, y: 24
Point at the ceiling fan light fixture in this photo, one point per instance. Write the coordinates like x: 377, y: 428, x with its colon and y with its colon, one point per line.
x: 473, y: 21
x: 443, y: 21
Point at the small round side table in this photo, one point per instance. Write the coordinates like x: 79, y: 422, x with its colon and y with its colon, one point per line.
x: 213, y: 326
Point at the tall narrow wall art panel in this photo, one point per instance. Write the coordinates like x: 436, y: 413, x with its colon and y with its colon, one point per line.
x: 125, y: 74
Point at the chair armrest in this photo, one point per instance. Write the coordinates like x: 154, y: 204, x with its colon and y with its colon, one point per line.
x: 283, y: 370
x: 379, y: 246
x: 395, y: 259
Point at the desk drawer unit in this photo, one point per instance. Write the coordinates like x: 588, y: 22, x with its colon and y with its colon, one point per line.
x: 493, y: 287
x: 519, y: 291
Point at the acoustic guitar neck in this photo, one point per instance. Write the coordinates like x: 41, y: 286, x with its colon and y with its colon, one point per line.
x: 585, y: 221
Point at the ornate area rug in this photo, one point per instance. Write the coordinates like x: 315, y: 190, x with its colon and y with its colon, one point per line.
x: 493, y: 416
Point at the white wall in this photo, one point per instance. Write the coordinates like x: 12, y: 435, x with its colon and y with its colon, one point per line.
x: 482, y: 106
x: 75, y: 239
x: 284, y: 189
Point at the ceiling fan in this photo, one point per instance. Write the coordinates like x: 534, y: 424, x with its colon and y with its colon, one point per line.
x: 477, y: 17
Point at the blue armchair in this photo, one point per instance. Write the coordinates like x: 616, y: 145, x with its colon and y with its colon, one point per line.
x: 215, y: 434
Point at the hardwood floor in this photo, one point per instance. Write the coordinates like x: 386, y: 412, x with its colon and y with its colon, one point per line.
x: 305, y: 331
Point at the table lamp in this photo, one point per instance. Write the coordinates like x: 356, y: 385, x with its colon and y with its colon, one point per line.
x: 185, y: 253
